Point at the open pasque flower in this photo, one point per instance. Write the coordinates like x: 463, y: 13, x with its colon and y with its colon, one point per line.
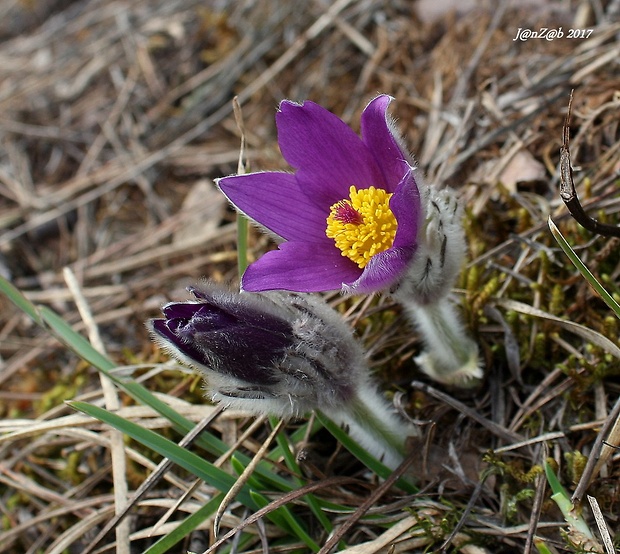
x: 352, y: 217
x: 281, y: 354
x: 349, y: 215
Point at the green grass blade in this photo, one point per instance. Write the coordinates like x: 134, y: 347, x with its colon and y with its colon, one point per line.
x: 296, y: 527
x: 188, y: 525
x: 16, y: 296
x: 55, y: 324
x: 242, y: 221
x: 554, y: 483
x: 561, y: 497
x: 587, y: 274
x: 369, y: 461
x: 239, y: 466
x: 199, y: 467
x: 542, y: 547
x: 289, y: 520
x: 78, y: 344
x: 293, y: 466
x: 242, y: 244
x: 74, y: 341
x: 299, y: 529
x: 184, y: 458
x: 51, y: 321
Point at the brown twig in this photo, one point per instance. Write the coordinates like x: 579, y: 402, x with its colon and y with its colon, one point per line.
x: 567, y: 187
x: 368, y: 503
x: 536, y: 508
x: 163, y: 466
x: 496, y: 429
x: 281, y: 501
x: 588, y: 472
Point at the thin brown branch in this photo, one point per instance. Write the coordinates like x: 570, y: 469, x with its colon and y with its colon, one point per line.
x: 568, y: 193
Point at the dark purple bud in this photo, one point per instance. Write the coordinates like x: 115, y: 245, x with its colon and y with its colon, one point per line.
x: 228, y: 336
x: 277, y: 353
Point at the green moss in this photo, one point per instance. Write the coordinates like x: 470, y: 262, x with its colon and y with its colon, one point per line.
x: 575, y: 464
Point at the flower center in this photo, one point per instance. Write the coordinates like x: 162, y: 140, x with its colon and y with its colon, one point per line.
x: 362, y: 225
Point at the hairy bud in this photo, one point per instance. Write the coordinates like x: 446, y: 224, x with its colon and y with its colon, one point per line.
x: 284, y: 354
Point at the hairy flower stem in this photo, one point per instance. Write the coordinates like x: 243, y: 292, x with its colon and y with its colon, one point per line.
x: 451, y: 356
x: 371, y: 422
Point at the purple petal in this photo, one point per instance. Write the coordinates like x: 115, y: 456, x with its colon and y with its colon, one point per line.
x: 274, y: 200
x: 328, y: 155
x: 245, y: 349
x: 380, y: 140
x: 382, y: 271
x: 385, y: 268
x: 407, y: 209
x: 223, y: 309
x: 182, y: 310
x: 185, y: 318
x: 160, y: 327
x: 300, y: 267
x: 246, y: 353
x: 189, y: 349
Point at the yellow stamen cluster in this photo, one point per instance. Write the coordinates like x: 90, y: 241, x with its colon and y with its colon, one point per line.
x: 363, y: 225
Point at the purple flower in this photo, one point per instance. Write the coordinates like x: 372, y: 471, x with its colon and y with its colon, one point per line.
x: 222, y: 333
x: 348, y: 216
x: 284, y: 354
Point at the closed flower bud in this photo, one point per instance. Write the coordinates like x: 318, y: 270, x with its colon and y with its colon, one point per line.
x: 284, y: 354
